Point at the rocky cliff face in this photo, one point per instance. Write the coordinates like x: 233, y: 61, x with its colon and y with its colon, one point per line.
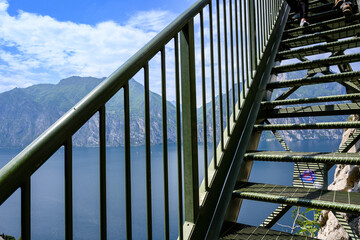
x: 347, y: 178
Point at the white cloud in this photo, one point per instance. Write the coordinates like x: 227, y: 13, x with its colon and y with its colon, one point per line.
x: 151, y: 20
x: 35, y: 48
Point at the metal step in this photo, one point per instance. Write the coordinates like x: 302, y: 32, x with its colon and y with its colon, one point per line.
x: 298, y: 196
x: 275, y: 216
x: 346, y: 226
x: 310, y: 111
x: 318, y: 8
x: 318, y: 17
x: 337, y: 46
x: 319, y: 169
x: 353, y: 138
x: 318, y: 2
x: 306, y: 126
x: 236, y: 231
x: 319, y: 63
x: 340, y: 77
x: 325, y: 36
x: 311, y: 157
x: 333, y: 23
x: 333, y: 98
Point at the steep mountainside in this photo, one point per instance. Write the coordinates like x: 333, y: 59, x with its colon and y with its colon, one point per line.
x: 26, y: 113
x: 292, y: 135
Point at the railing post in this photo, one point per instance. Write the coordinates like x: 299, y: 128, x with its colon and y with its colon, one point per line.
x: 26, y: 210
x: 127, y: 162
x: 188, y: 85
x: 68, y: 190
x: 102, y: 173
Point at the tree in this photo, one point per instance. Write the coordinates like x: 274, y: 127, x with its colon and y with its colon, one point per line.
x: 303, y: 224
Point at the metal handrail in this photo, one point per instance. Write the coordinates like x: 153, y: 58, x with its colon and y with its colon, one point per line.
x: 33, y: 156
x: 254, y: 26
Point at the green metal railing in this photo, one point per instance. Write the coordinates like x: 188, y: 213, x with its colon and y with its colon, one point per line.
x: 246, y: 30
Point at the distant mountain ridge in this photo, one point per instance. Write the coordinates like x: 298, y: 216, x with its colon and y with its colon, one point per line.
x: 25, y: 113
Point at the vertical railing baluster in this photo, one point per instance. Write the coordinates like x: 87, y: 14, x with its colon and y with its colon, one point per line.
x: 276, y: 9
x: 242, y: 33
x: 270, y: 19
x: 190, y: 151
x: 204, y: 98
x: 102, y: 143
x: 26, y: 210
x: 258, y: 29
x: 220, y: 75
x: 178, y: 137
x: 280, y: 3
x: 263, y: 20
x: 148, y: 152
x: 252, y: 31
x: 232, y: 61
x: 68, y: 190
x: 246, y: 46
x: 267, y: 16
x: 212, y: 83
x: 274, y: 14
x: 271, y: 13
x: 237, y: 53
x: 226, y: 69
x: 165, y: 146
x: 127, y: 162
x: 275, y: 6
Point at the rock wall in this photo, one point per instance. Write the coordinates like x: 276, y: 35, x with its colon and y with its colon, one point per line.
x: 346, y: 178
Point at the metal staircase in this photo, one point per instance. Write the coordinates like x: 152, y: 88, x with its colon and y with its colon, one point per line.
x: 329, y: 32
x: 232, y: 48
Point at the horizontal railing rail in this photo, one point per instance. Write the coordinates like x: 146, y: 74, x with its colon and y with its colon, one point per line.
x: 245, y: 43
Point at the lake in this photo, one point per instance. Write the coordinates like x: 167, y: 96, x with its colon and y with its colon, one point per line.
x: 47, y: 192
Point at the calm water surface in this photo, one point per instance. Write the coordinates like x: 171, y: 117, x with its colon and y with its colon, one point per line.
x: 47, y: 190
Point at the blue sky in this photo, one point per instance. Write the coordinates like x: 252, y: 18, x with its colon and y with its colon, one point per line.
x: 94, y: 11
x: 43, y: 41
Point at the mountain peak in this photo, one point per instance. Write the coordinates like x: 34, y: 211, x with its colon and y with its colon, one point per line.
x: 71, y: 80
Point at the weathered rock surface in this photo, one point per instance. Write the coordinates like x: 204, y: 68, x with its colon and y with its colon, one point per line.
x: 346, y: 178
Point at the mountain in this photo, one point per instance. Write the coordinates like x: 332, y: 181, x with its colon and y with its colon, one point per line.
x: 26, y: 113
x: 292, y: 135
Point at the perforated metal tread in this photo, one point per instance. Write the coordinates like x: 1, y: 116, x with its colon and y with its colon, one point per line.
x: 236, y: 231
x: 316, y: 110
x: 332, y: 98
x: 319, y: 37
x: 301, y: 126
x: 318, y: 17
x: 324, y: 62
x: 340, y: 77
x: 332, y: 23
x: 319, y: 48
x: 299, y: 196
x: 315, y: 157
